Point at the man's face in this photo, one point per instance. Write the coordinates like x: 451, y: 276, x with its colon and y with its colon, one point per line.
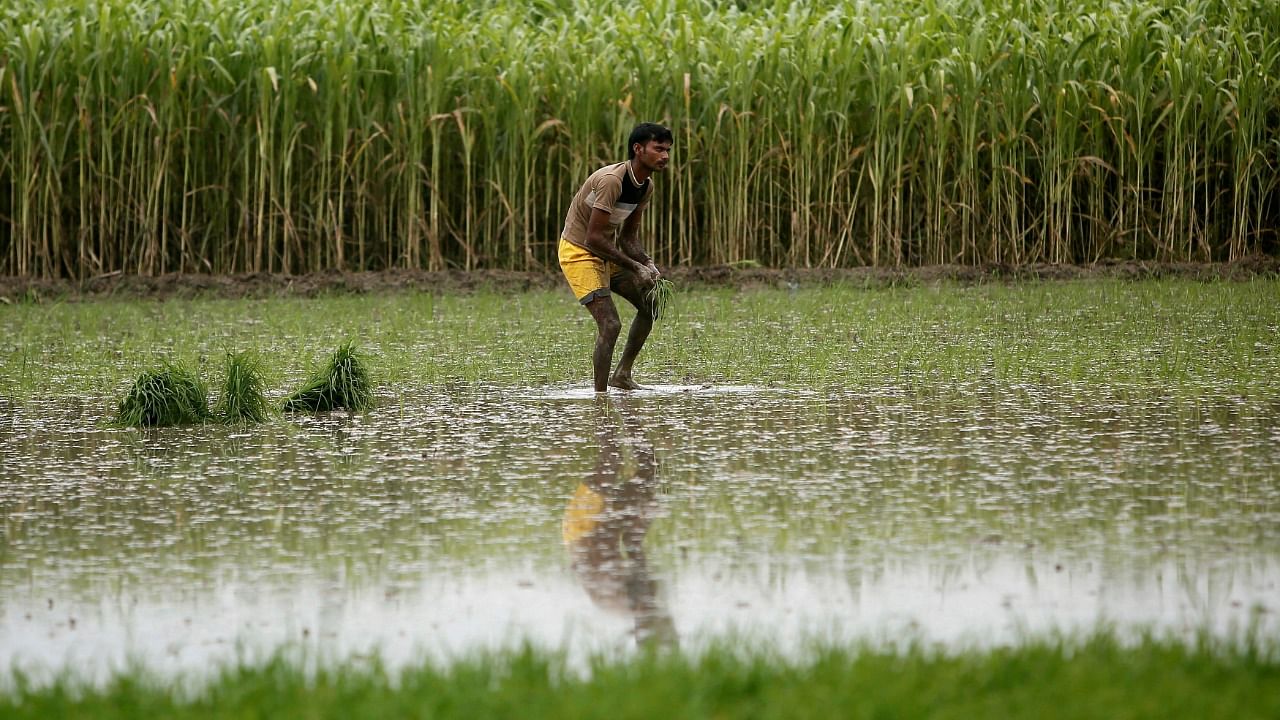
x: 653, y: 155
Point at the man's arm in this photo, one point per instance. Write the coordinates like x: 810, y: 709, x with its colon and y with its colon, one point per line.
x: 629, y: 240
x: 600, y: 246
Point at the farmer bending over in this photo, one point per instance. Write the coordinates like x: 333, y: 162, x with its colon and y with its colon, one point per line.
x: 597, y: 258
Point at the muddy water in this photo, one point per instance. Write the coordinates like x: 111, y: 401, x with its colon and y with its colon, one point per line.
x: 471, y: 519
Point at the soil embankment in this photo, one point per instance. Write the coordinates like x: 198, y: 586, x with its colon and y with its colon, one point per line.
x: 21, y: 289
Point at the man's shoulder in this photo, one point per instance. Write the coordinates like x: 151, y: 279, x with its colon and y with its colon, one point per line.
x: 612, y: 172
x: 605, y: 181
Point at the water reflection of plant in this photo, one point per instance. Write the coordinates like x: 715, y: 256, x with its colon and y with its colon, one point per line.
x: 605, y: 524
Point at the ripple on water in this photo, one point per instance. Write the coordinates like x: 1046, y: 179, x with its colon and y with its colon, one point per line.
x: 578, y: 392
x: 464, y: 519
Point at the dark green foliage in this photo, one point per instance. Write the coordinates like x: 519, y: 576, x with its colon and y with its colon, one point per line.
x: 343, y: 382
x: 243, y: 400
x: 170, y: 395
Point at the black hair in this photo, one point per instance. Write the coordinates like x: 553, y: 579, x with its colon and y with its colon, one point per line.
x: 646, y: 132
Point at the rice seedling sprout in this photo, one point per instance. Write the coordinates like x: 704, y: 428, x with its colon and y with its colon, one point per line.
x: 170, y: 395
x: 342, y: 382
x: 659, y: 296
x: 243, y: 400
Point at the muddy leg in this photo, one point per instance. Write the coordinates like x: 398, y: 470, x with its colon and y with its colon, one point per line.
x: 607, y: 328
x: 625, y: 285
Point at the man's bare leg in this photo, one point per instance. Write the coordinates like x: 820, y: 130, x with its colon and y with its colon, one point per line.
x: 625, y: 284
x: 608, y: 326
x: 636, y: 337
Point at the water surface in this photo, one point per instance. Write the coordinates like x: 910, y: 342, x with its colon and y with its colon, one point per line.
x: 473, y: 518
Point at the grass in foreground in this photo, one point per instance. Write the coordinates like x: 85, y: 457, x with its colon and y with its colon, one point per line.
x: 170, y: 395
x: 342, y: 382
x: 1044, y: 680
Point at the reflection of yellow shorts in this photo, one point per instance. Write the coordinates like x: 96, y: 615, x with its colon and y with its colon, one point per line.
x: 582, y: 515
x: 587, y: 274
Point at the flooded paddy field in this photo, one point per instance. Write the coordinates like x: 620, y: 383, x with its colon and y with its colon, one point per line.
x: 474, y: 519
x: 960, y: 502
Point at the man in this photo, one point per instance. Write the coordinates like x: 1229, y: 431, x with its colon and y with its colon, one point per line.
x: 600, y: 253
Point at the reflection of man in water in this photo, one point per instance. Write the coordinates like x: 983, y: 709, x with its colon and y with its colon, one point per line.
x: 604, y: 528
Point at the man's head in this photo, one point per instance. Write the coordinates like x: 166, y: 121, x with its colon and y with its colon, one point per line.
x: 650, y: 144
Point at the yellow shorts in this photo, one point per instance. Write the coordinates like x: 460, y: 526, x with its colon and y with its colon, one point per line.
x: 587, y: 274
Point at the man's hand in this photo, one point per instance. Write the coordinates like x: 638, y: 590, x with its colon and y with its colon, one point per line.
x: 647, y: 274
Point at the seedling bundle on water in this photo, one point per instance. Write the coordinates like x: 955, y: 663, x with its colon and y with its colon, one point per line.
x: 243, y: 399
x: 171, y: 395
x: 175, y: 395
x: 343, y: 382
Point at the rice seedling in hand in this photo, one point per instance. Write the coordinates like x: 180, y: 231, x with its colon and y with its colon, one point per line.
x: 170, y: 395
x: 343, y: 382
x: 659, y: 297
x: 243, y: 400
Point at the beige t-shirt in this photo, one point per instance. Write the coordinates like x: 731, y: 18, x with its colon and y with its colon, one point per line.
x: 612, y: 189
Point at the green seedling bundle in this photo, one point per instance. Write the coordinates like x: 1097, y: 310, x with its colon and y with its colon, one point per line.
x: 170, y: 395
x: 243, y: 400
x: 174, y: 394
x: 342, y: 382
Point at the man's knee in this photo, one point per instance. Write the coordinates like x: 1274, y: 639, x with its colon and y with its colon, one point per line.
x: 609, y: 328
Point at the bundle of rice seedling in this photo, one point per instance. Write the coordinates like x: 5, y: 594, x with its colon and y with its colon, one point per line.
x: 343, y: 382
x: 170, y: 395
x: 243, y: 398
x: 659, y: 297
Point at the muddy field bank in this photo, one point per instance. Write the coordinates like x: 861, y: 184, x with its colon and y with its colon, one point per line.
x: 23, y: 289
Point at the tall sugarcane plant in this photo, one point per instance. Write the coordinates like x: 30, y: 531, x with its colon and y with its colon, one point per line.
x: 258, y: 136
